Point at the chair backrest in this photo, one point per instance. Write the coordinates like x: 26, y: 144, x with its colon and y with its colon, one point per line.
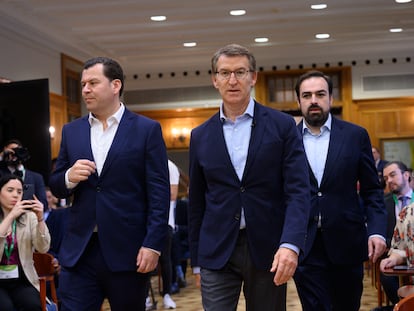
x: 46, y: 270
x: 43, y: 264
x: 405, y: 304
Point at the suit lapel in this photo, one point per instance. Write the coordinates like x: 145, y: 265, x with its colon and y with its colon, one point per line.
x: 119, y: 142
x: 336, y: 143
x: 313, y: 179
x: 257, y: 131
x: 218, y: 143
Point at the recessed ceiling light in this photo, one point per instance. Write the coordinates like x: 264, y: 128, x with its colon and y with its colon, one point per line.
x: 261, y: 40
x: 237, y: 12
x: 322, y: 36
x: 189, y: 44
x: 158, y: 18
x: 319, y: 6
x: 402, y: 1
x: 396, y: 29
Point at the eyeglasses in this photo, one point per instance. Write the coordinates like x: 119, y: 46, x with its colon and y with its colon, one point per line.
x: 238, y: 74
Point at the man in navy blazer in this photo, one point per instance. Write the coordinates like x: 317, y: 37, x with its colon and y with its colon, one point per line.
x: 114, y: 162
x: 248, y: 195
x: 345, y: 228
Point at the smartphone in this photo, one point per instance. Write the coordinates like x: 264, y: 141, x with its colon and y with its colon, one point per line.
x: 401, y: 267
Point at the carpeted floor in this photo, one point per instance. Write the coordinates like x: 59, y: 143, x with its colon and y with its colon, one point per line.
x: 188, y: 299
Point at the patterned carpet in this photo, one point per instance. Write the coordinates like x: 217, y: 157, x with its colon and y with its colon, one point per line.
x: 188, y: 299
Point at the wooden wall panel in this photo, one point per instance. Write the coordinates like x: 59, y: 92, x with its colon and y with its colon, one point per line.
x: 58, y: 117
x: 385, y: 118
x: 182, y: 121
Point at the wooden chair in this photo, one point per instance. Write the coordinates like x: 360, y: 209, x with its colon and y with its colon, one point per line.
x: 46, y: 270
x: 405, y: 304
x: 405, y: 291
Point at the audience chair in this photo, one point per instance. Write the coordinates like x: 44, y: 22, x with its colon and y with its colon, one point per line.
x: 46, y: 270
x: 405, y: 304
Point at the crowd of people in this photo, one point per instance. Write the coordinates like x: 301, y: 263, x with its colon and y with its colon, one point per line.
x: 269, y: 200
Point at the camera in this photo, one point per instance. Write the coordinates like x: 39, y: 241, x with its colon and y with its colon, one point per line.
x: 16, y: 156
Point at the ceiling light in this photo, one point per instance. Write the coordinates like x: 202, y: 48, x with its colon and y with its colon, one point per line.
x: 189, y: 44
x: 322, y: 36
x: 158, y: 18
x: 402, y: 1
x: 261, y: 40
x: 396, y: 29
x: 237, y: 12
x: 319, y: 6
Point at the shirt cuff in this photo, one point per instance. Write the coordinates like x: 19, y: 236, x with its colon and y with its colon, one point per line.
x: 153, y: 250
x: 69, y: 184
x: 291, y: 247
x: 377, y: 236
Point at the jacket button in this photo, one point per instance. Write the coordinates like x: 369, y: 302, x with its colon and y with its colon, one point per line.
x: 319, y: 194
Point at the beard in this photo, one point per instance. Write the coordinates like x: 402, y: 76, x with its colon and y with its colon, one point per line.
x: 316, y: 118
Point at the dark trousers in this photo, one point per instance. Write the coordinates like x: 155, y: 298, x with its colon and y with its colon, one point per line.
x: 84, y: 287
x: 220, y: 289
x: 390, y: 285
x: 19, y: 294
x: 324, y: 286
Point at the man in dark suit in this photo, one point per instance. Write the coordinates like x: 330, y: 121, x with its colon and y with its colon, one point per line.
x: 249, y: 193
x: 13, y: 159
x: 342, y: 232
x: 114, y: 162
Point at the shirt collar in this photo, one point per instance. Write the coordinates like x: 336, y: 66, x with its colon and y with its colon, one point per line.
x: 249, y: 110
x: 326, y: 126
x: 408, y: 194
x: 117, y: 116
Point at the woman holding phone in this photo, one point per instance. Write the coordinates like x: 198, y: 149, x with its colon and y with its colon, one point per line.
x: 22, y: 229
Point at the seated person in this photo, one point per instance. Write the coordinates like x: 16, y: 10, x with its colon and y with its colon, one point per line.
x: 22, y: 229
x: 402, y: 245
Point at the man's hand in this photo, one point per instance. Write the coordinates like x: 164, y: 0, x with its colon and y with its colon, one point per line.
x: 81, y: 170
x: 284, y: 264
x: 147, y: 260
x: 376, y: 247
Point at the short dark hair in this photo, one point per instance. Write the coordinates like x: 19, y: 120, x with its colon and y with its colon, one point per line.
x: 112, y: 69
x: 4, y: 179
x: 232, y: 50
x: 311, y: 74
x: 403, y: 168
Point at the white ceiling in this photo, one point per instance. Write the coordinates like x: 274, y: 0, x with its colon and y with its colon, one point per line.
x: 123, y: 30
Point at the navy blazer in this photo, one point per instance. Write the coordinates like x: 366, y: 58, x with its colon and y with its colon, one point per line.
x: 347, y: 218
x: 274, y: 191
x: 128, y: 201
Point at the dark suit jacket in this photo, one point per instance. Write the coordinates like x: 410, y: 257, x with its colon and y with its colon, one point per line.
x: 346, y: 224
x: 128, y: 201
x: 57, y: 224
x: 274, y: 191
